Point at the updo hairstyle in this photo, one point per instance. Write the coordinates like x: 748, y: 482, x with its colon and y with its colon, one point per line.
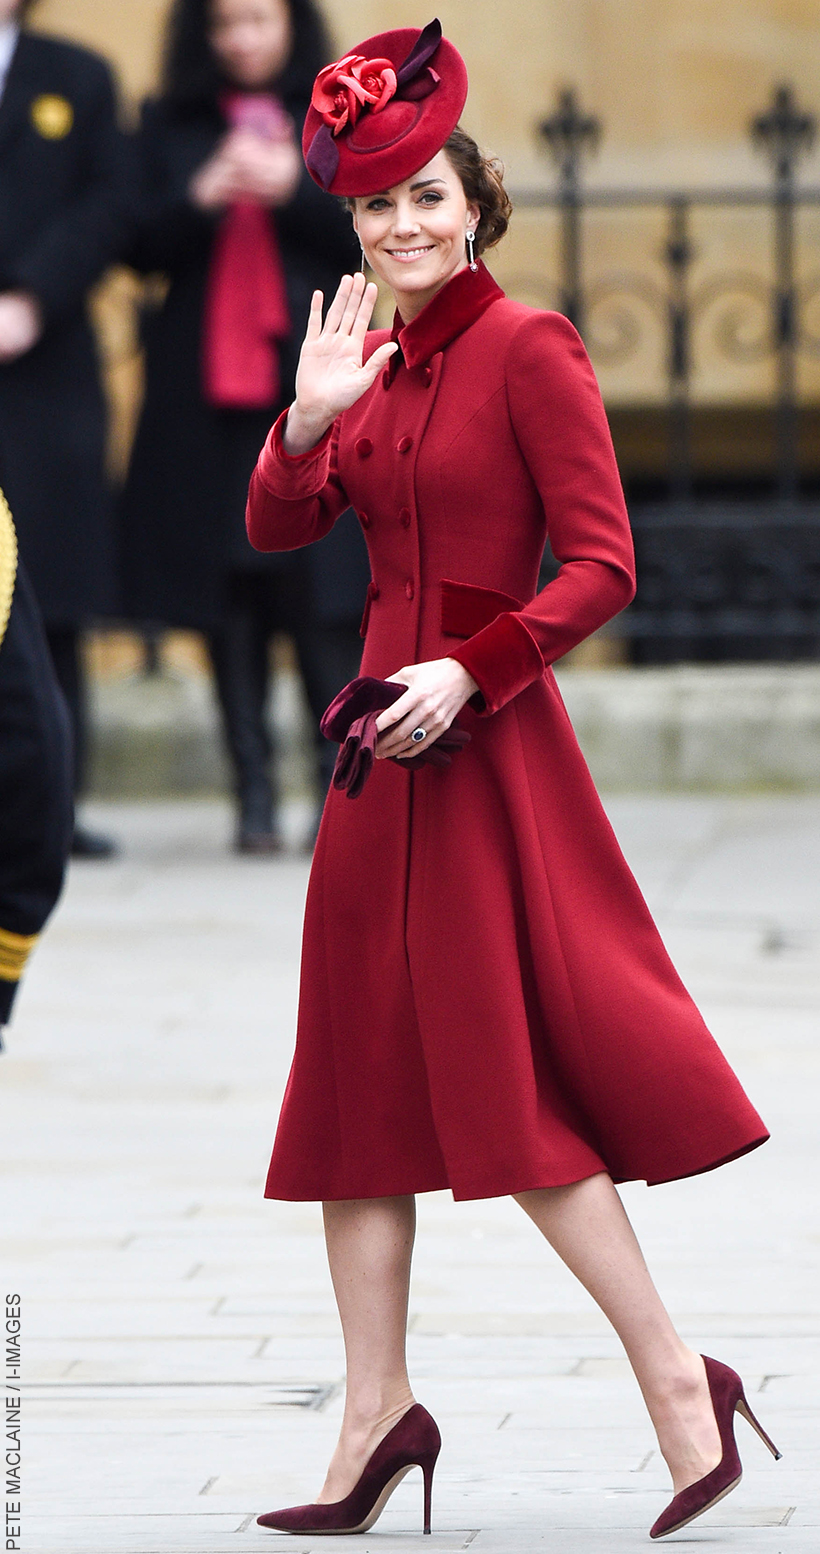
x: 482, y: 181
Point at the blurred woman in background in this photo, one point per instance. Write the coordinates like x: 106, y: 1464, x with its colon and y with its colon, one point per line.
x: 243, y: 236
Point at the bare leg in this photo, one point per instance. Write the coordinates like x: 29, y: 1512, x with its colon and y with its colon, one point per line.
x: 369, y: 1248
x: 587, y: 1225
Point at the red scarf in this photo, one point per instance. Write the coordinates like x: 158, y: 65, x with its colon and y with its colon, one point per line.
x: 246, y: 307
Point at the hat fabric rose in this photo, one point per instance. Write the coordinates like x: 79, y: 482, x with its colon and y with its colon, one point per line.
x: 343, y: 89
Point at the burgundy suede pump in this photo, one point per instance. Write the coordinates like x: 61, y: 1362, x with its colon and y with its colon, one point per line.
x: 728, y: 1398
x: 413, y: 1442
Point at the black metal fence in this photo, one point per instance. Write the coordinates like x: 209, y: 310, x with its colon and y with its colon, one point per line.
x: 737, y: 577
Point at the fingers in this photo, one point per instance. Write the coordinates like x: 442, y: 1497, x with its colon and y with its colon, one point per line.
x: 375, y: 363
x: 397, y: 742
x: 354, y: 302
x: 314, y: 328
x: 361, y: 322
x: 393, y: 715
x: 395, y: 739
x: 338, y: 305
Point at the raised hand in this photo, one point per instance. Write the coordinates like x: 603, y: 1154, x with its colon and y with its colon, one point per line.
x: 331, y: 376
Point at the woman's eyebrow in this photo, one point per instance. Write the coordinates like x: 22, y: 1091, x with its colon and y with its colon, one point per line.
x: 423, y: 183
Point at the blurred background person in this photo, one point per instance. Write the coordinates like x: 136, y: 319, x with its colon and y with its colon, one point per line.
x: 63, y: 217
x: 36, y: 812
x: 242, y: 236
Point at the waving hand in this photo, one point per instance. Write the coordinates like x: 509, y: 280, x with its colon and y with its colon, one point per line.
x: 331, y: 375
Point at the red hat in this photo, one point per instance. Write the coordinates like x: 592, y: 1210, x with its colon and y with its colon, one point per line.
x: 379, y: 114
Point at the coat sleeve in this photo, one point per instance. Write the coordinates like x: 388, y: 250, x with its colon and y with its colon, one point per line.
x: 72, y: 250
x: 561, y: 428
x: 294, y: 501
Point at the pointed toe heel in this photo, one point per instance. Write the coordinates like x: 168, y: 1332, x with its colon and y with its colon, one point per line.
x: 728, y: 1398
x: 412, y: 1443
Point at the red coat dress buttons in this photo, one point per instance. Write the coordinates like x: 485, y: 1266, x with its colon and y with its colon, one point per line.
x: 405, y: 516
x: 404, y: 444
x: 427, y: 377
x: 364, y: 520
x: 364, y: 447
x: 386, y: 378
x: 409, y: 589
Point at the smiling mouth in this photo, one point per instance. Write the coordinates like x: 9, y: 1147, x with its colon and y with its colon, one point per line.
x: 404, y: 255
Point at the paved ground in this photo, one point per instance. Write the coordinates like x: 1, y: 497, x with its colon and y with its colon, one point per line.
x: 181, y: 1356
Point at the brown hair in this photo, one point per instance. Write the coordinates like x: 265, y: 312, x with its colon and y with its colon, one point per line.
x: 482, y: 181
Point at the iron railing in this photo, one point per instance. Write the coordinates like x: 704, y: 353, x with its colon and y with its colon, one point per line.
x: 721, y: 578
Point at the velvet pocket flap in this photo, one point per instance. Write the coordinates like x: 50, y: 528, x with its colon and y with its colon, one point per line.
x: 467, y: 608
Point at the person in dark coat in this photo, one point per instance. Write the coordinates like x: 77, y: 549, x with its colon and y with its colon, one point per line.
x: 63, y: 215
x: 242, y: 234
x: 36, y: 811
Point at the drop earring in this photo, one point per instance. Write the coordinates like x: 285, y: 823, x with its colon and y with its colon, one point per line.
x: 362, y: 265
x: 471, y: 248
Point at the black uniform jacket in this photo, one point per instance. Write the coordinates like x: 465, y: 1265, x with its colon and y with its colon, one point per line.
x: 35, y: 773
x: 184, y: 503
x: 65, y: 195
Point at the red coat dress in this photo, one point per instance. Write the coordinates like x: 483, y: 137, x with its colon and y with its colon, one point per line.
x: 486, y: 1004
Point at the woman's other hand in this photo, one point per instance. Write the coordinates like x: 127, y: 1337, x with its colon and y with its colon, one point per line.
x: 266, y: 171
x: 213, y: 185
x: 21, y: 324
x: 436, y: 692
x: 331, y: 375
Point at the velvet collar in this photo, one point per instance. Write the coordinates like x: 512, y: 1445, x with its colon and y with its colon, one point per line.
x: 452, y: 310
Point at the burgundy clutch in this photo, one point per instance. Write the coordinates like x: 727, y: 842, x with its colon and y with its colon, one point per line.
x: 351, y: 720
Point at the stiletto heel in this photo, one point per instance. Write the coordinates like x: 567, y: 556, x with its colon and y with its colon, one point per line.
x: 744, y: 1409
x: 428, y: 1468
x: 412, y: 1443
x: 728, y: 1397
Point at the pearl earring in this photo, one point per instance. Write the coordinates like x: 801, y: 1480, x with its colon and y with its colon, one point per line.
x: 471, y: 248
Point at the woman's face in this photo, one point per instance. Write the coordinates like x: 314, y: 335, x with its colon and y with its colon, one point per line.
x: 252, y: 39
x: 414, y: 235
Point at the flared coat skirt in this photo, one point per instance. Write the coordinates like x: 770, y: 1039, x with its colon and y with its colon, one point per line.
x: 486, y: 1003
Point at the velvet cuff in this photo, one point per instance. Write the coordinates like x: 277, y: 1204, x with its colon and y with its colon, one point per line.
x: 293, y: 476
x: 503, y: 659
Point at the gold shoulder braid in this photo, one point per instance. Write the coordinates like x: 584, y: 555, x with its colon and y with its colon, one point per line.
x: 8, y: 563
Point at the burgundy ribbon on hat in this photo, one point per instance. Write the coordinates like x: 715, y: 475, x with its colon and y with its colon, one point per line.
x: 351, y: 719
x: 415, y: 80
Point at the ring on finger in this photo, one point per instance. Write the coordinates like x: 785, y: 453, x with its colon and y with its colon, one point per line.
x: 418, y: 735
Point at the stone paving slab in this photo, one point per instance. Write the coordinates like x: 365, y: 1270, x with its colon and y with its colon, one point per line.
x: 183, y: 1364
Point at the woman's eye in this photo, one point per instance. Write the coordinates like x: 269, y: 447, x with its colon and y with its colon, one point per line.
x: 430, y: 198
x: 377, y: 205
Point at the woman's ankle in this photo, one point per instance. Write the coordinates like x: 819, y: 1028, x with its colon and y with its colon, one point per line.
x: 371, y: 1412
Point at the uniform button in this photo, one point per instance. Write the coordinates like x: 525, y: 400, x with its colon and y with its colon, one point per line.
x: 427, y: 377
x: 364, y: 447
x: 404, y: 444
x: 364, y: 520
x: 408, y: 588
x: 404, y: 517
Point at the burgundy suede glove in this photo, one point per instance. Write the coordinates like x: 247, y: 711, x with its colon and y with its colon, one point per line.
x: 351, y: 719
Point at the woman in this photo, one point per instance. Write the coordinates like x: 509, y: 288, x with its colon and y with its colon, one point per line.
x: 486, y: 1003
x: 243, y: 235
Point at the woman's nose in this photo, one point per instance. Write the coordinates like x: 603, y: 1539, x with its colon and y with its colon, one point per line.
x: 405, y: 219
